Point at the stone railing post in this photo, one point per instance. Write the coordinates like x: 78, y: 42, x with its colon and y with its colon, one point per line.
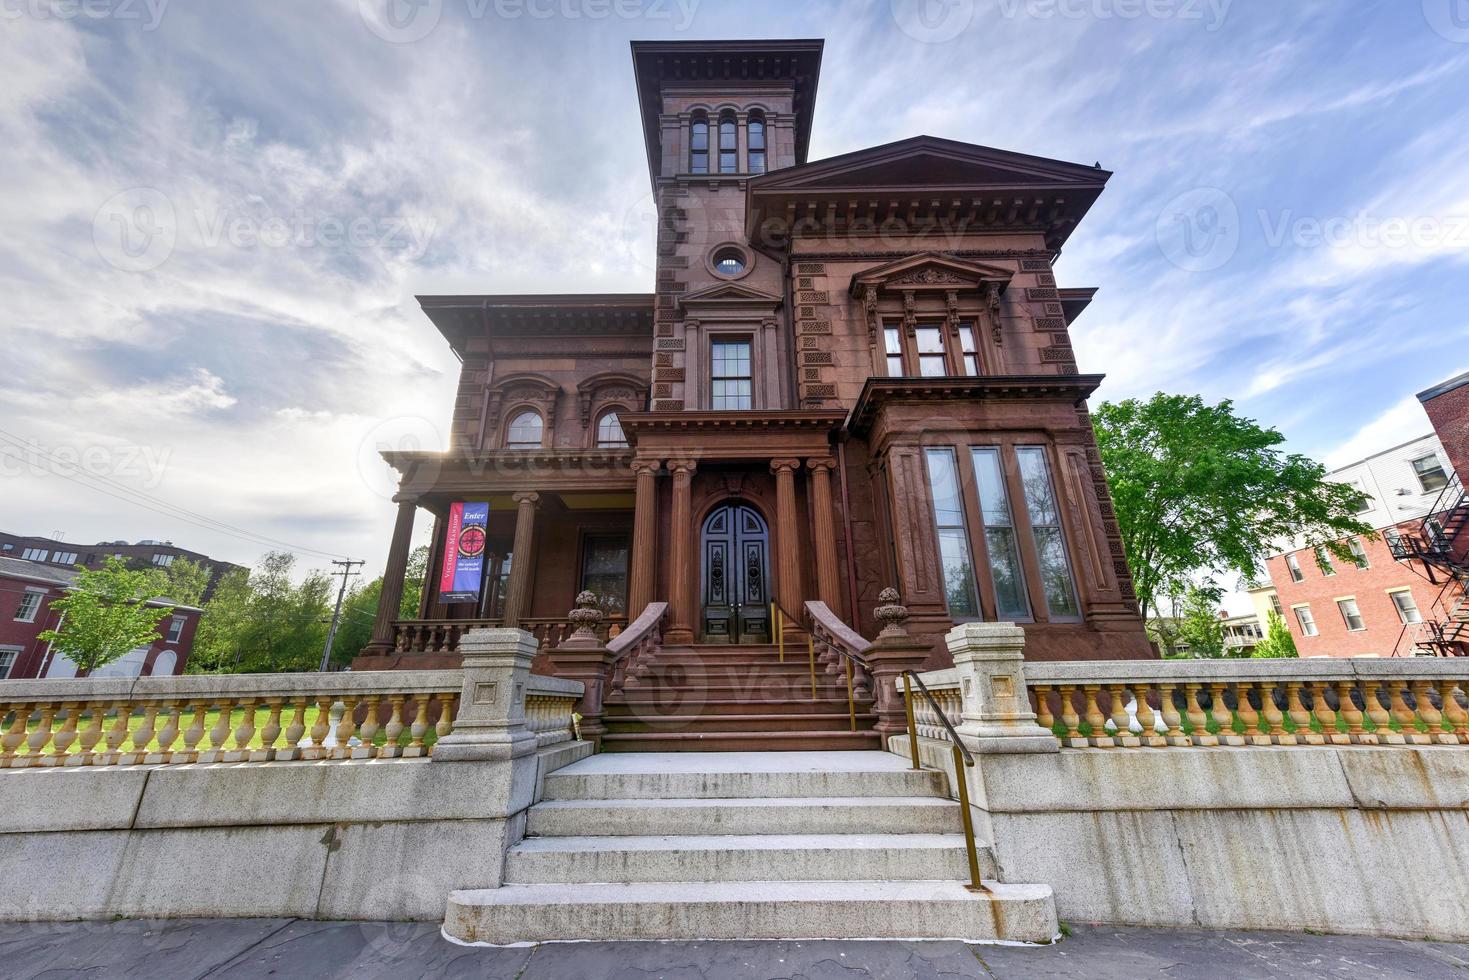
x: 491, y: 722
x: 582, y: 657
x: 990, y: 662
x: 892, y: 653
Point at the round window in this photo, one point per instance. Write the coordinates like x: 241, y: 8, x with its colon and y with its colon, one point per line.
x: 729, y: 263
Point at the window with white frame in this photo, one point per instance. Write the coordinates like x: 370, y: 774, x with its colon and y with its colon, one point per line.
x: 1275, y: 604
x: 1359, y: 553
x: 175, y: 629
x: 30, y: 605
x: 1430, y: 473
x: 1323, y: 561
x: 1406, y: 606
x: 525, y: 431
x: 1351, y: 615
x: 892, y: 339
x: 609, y: 432
x: 934, y: 351
x: 163, y: 561
x: 731, y: 383
x: 1306, y: 621
x: 1294, y: 567
x: 65, y: 558
x: 8, y: 656
x: 35, y: 554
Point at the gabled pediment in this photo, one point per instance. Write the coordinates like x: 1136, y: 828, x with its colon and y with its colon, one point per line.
x: 931, y: 271
x: 727, y: 295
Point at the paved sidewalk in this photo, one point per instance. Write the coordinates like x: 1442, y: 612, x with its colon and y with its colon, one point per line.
x: 291, y: 948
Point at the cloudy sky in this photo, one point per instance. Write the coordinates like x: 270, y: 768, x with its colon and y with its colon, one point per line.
x: 216, y: 216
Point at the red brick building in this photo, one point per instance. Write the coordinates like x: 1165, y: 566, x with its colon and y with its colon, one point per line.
x: 27, y: 590
x: 138, y: 554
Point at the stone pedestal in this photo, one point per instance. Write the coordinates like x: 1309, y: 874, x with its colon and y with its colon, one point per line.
x: 491, y: 721
x: 989, y: 659
x: 889, y: 658
x: 582, y: 657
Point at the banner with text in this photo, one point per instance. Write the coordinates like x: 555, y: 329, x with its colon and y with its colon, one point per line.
x: 464, y: 553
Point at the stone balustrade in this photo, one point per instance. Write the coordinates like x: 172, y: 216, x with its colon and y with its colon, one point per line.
x: 444, y: 635
x: 252, y: 718
x: 637, y: 644
x: 1184, y: 703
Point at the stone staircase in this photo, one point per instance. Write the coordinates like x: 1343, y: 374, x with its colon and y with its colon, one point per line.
x: 726, y: 845
x: 711, y: 697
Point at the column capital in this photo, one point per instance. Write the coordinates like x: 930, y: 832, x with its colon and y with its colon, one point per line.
x: 641, y: 466
x: 404, y: 497
x: 784, y: 465
x: 821, y: 463
x: 682, y: 467
x: 526, y: 497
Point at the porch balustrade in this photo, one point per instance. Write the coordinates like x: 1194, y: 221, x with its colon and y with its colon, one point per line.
x: 444, y: 635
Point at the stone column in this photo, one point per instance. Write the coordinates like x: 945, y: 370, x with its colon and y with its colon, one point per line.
x: 788, y: 550
x: 823, y: 524
x: 643, y: 581
x: 490, y: 724
x: 681, y: 573
x: 522, y: 559
x: 989, y: 658
x: 392, y: 594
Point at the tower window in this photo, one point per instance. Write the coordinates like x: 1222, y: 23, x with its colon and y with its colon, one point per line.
x: 728, y: 157
x: 732, y: 381
x: 755, y: 140
x: 699, y: 144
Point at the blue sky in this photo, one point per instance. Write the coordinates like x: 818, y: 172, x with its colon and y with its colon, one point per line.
x: 1288, y: 225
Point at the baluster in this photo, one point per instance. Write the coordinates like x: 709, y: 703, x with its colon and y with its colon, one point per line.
x: 1146, y: 718
x: 271, y: 733
x: 445, y: 725
x: 195, y: 733
x: 63, y: 738
x: 320, y: 728
x: 346, y: 728
x: 224, y: 709
x: 1274, y: 717
x: 172, y: 721
x: 419, y: 728
x: 367, y: 733
x: 1248, y: 716
x: 1432, y: 717
x: 394, y: 728
x: 142, y: 740
x: 1043, y: 716
x: 1350, y: 715
x: 1095, y: 720
x: 1299, y: 716
x: 1403, y: 715
x: 117, y: 733
x: 1068, y: 717
x: 243, y: 733
x: 1121, y: 720
x: 1223, y: 719
x: 1323, y: 714
x: 1454, y: 713
x: 41, y: 736
x: 295, y: 731
x: 92, y: 734
x: 1172, y: 720
x: 15, y: 735
x: 1198, y: 722
x: 1378, y: 714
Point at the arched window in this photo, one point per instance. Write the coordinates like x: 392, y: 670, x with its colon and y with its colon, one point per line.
x: 728, y: 157
x: 609, y: 432
x: 755, y: 142
x: 525, y: 431
x: 699, y: 144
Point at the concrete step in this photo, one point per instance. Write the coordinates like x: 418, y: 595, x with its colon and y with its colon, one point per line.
x: 783, y: 722
x: 752, y: 910
x: 624, y: 706
x: 786, y: 857
x: 653, y: 740
x: 752, y: 690
x: 702, y: 777
x: 791, y: 815
x: 731, y: 670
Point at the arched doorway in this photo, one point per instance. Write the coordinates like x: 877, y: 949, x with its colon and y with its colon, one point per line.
x: 734, y: 549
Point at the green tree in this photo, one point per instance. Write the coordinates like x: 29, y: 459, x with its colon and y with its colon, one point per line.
x: 1278, y: 643
x: 185, y: 581
x: 1199, y: 489
x: 1199, y: 624
x: 264, y: 622
x: 413, y: 579
x: 105, y: 615
x: 359, y: 610
x: 218, y: 643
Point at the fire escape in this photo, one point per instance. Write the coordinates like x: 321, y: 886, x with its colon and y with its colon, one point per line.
x: 1441, y: 546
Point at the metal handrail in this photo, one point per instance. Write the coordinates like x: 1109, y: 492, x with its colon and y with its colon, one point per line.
x: 962, y: 759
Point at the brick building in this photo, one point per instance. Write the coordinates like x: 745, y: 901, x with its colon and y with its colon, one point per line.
x: 140, y: 554
x: 27, y: 589
x: 853, y: 373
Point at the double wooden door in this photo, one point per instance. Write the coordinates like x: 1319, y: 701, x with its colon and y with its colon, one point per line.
x: 735, y: 559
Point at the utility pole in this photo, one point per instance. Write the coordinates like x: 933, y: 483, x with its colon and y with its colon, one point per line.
x: 331, y: 634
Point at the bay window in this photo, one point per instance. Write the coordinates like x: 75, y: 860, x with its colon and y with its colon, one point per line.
x: 999, y: 536
x: 1045, y: 527
x: 948, y: 515
x: 931, y: 350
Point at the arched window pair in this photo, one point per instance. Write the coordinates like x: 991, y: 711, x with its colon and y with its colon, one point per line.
x: 728, y: 146
x: 527, y: 431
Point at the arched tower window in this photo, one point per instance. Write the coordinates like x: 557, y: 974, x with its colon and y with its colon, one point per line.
x: 699, y: 144
x: 755, y: 142
x: 609, y: 432
x: 728, y: 144
x: 525, y: 430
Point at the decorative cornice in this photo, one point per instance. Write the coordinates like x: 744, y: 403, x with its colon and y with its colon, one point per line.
x: 1074, y: 388
x: 803, y: 419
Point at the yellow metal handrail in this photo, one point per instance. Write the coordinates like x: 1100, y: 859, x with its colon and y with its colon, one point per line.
x: 962, y: 760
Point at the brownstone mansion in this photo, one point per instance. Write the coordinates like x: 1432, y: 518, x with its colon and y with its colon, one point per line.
x: 853, y: 373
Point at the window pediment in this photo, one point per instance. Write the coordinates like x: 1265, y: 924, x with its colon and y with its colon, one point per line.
x: 728, y: 296
x: 931, y: 271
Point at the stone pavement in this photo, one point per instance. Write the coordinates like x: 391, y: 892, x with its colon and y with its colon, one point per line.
x: 290, y: 948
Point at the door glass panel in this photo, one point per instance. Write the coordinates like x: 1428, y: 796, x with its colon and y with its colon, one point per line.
x: 999, y: 536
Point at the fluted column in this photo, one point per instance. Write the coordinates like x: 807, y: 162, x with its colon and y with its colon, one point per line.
x: 641, y: 583
x: 392, y: 594
x: 823, y: 526
x: 788, y: 552
x: 522, y: 558
x: 681, y: 573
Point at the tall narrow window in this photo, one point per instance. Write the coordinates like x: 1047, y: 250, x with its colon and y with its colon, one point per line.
x: 525, y: 431
x: 948, y: 514
x: 999, y: 536
x: 1045, y: 526
x: 1359, y: 553
x: 892, y: 340
x: 1294, y: 567
x: 699, y: 144
x: 968, y: 352
x: 609, y: 432
x: 1275, y: 604
x: 1407, y: 607
x: 1430, y: 473
x: 1323, y: 561
x: 604, y: 570
x: 729, y: 374
x: 931, y: 352
x: 728, y: 156
x: 1307, y: 621
x: 1351, y: 615
x: 755, y: 139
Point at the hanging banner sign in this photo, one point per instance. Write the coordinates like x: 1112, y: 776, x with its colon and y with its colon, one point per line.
x: 464, y: 553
